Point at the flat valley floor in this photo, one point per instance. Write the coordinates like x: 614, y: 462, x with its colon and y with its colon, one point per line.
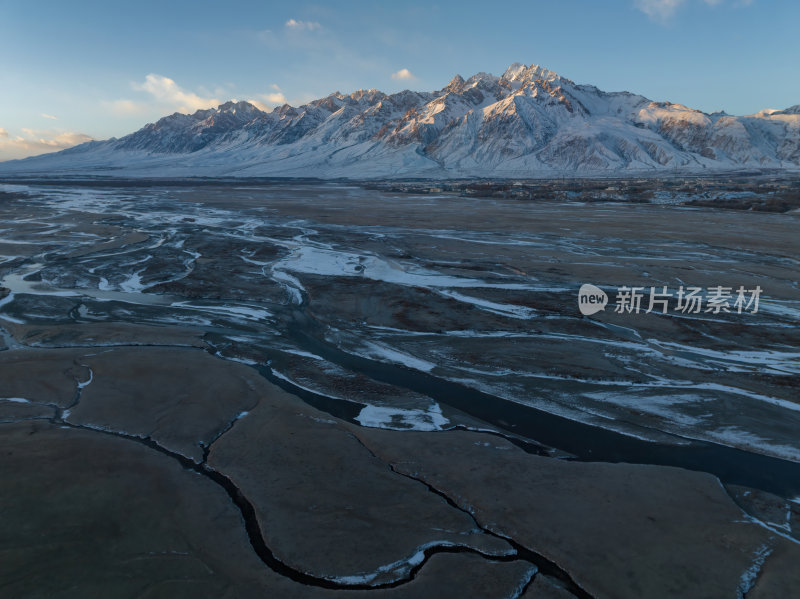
x: 318, y: 390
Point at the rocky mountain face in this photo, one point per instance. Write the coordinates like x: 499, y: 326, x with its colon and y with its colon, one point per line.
x: 529, y: 122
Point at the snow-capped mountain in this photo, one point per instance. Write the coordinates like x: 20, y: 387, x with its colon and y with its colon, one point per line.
x: 530, y: 122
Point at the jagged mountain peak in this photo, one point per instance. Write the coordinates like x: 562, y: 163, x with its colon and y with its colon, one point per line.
x: 368, y: 95
x: 528, y: 122
x: 456, y: 85
x: 239, y: 107
x: 514, y: 71
x: 518, y: 72
x: 482, y: 78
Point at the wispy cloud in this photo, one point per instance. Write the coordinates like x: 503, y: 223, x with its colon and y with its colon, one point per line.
x: 302, y: 25
x: 659, y: 10
x: 49, y: 116
x: 403, y: 74
x: 662, y: 11
x: 128, y: 107
x: 320, y: 47
x: 37, y: 141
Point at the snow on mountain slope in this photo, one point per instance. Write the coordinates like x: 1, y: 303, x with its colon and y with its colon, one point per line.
x: 529, y: 122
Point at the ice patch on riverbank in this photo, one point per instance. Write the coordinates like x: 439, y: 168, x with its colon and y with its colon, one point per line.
x: 403, y: 419
x: 509, y: 310
x: 376, y: 351
x: 321, y: 261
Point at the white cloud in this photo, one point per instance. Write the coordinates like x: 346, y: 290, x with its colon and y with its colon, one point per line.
x: 267, y: 102
x: 167, y: 92
x: 166, y: 95
x: 303, y: 25
x: 127, y: 107
x: 259, y: 105
x: 275, y: 98
x: 49, y: 116
x: 403, y: 74
x: 659, y: 10
x: 37, y: 141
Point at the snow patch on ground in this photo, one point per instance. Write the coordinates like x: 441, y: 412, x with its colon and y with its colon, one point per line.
x: 523, y: 584
x: 402, y: 419
x: 294, y: 383
x: 510, y: 310
x: 403, y: 566
x: 292, y: 285
x: 762, y: 524
x: 320, y: 261
x: 377, y: 351
x: 658, y: 405
x: 776, y: 362
x: 7, y: 300
x: 87, y: 382
x: 304, y: 354
x: 736, y: 437
x: 133, y: 284
x: 749, y: 576
x: 247, y: 313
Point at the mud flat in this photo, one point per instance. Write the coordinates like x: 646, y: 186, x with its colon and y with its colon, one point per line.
x: 315, y: 390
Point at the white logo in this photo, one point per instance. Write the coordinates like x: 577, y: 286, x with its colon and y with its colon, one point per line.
x: 591, y: 299
x: 689, y: 300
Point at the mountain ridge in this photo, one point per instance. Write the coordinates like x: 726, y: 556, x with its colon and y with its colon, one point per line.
x: 528, y: 122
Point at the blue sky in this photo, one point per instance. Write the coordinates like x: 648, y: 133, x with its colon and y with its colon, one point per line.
x: 70, y: 71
